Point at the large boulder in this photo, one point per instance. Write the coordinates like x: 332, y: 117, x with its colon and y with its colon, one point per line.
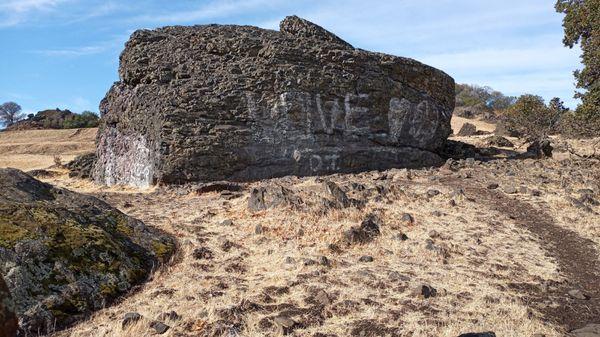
x: 64, y: 254
x: 218, y: 102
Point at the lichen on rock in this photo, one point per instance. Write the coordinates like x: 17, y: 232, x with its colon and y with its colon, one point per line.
x: 65, y: 254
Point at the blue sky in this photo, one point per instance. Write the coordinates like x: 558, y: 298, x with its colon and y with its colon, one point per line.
x: 64, y: 53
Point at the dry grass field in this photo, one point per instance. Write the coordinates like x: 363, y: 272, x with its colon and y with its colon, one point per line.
x: 469, y: 247
x: 36, y: 149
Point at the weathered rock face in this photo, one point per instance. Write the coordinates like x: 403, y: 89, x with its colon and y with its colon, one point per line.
x: 64, y: 254
x: 216, y: 102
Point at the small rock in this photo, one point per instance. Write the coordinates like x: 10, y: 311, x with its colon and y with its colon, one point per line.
x: 130, y: 318
x: 407, y: 218
x: 309, y: 262
x: 536, y: 193
x: 171, y: 315
x: 478, y: 334
x: 284, y: 322
x: 324, y: 261
x: 226, y: 222
x: 510, y: 190
x: 401, y: 237
x: 322, y: 298
x: 523, y: 189
x: 428, y: 291
x: 434, y: 234
x: 258, y: 229
x: 202, y: 253
x: 452, y: 203
x: 467, y: 129
x: 290, y: 260
x: 590, y: 330
x: 159, y: 327
x: 366, y: 258
x: 432, y: 193
x: 578, y: 295
x: 368, y: 230
x: 492, y: 186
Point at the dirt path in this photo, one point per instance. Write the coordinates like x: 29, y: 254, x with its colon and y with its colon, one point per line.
x: 576, y: 256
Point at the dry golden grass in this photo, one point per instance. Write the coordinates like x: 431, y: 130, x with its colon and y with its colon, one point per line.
x: 36, y: 149
x: 480, y: 252
x: 474, y: 256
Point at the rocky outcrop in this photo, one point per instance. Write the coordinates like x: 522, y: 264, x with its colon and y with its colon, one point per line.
x: 64, y: 254
x: 216, y: 102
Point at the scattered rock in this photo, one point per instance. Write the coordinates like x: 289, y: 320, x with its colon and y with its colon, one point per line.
x: 130, y: 318
x: 510, y: 189
x: 433, y: 234
x: 432, y: 193
x: 368, y: 230
x: 540, y: 149
x: 578, y: 295
x: 171, y: 315
x: 258, y: 229
x: 159, y: 327
x: 85, y: 252
x: 467, y: 129
x: 218, y: 186
x: 340, y: 198
x: 478, y: 334
x: 492, y: 186
x: 322, y: 298
x: 202, y: 253
x: 407, y: 219
x: 428, y: 291
x: 226, y: 102
x: 324, y: 261
x: 285, y: 323
x: 290, y: 260
x: 401, y: 237
x: 366, y: 258
x: 263, y: 198
x: 8, y: 318
x: 498, y: 141
x: 226, y: 222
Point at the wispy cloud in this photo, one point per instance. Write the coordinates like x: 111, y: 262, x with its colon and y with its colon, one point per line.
x: 214, y: 9
x: 18, y: 11
x: 111, y: 45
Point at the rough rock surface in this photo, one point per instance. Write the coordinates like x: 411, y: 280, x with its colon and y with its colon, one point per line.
x: 8, y: 319
x: 64, y: 254
x: 218, y: 102
x: 82, y: 166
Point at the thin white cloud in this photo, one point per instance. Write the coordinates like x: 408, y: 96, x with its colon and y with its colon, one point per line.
x: 214, y: 9
x: 15, y: 12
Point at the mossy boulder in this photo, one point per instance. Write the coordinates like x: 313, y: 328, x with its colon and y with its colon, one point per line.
x: 64, y: 254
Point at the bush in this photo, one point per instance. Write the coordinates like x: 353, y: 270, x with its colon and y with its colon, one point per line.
x: 86, y: 119
x: 532, y: 118
x: 577, y: 125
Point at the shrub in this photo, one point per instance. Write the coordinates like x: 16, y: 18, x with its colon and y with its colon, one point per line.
x: 86, y: 119
x: 532, y: 118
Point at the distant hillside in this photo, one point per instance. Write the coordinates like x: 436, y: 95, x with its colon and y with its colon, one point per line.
x: 56, y: 119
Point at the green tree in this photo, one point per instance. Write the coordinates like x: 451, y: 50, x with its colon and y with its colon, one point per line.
x: 86, y: 119
x: 582, y: 26
x: 532, y: 118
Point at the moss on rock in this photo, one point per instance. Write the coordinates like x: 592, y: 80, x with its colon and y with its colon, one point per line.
x: 65, y: 254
